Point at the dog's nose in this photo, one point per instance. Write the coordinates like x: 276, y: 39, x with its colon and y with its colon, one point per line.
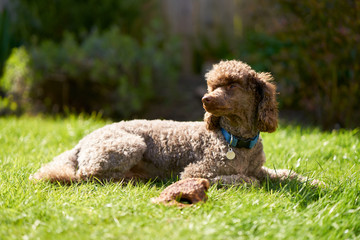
x: 206, y: 99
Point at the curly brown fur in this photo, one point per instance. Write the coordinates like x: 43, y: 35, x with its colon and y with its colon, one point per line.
x: 212, y: 122
x: 239, y: 100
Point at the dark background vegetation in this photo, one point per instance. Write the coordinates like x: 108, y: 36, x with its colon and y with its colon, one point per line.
x: 135, y: 58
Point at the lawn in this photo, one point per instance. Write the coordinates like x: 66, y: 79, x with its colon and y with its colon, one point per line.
x: 110, y: 211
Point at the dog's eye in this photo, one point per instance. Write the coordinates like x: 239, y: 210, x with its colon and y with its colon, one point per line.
x: 232, y: 86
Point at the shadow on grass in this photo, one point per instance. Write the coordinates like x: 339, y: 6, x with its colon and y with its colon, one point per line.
x: 303, y: 193
x: 133, y: 182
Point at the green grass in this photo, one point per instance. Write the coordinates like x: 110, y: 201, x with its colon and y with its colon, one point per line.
x: 110, y: 211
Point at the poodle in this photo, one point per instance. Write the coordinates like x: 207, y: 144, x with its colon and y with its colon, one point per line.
x: 225, y: 148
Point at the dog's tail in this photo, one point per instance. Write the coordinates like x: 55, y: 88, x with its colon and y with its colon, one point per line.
x: 61, y: 169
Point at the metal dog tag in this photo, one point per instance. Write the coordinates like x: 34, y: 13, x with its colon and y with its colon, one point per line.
x: 230, y: 154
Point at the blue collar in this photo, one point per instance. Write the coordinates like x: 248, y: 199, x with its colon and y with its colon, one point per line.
x: 238, y: 141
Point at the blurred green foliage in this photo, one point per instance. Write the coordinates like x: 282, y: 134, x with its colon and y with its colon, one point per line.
x: 112, y: 58
x: 324, y: 51
x: 50, y: 19
x: 314, y: 54
x: 4, y: 36
x: 16, y: 82
x: 108, y: 72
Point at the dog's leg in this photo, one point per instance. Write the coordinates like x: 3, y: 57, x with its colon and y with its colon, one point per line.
x: 110, y: 156
x: 104, y: 156
x: 207, y: 171
x: 61, y: 169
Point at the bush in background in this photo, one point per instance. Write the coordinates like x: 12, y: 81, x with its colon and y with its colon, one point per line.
x: 15, y: 83
x: 313, y: 49
x: 325, y: 52
x: 4, y: 35
x: 35, y: 21
x: 111, y: 57
x: 108, y: 72
x: 24, y: 23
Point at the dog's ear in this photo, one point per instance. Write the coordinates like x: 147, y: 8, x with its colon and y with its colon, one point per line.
x: 212, y: 122
x: 267, y: 108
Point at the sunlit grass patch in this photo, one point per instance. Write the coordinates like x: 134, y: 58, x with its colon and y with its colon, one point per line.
x: 92, y: 210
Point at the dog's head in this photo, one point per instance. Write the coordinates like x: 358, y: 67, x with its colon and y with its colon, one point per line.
x: 234, y: 89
